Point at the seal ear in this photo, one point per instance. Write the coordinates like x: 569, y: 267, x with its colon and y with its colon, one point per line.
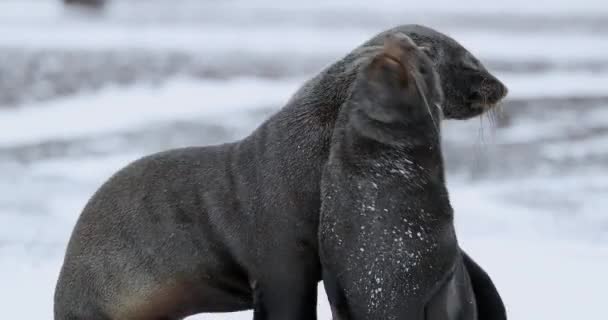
x: 397, y: 44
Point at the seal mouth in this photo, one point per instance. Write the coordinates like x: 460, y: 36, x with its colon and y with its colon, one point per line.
x: 484, y: 106
x: 484, y: 101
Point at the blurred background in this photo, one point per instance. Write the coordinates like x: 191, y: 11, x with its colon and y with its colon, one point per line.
x: 85, y: 89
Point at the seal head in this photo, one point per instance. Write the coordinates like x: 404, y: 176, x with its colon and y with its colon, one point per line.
x: 403, y: 75
x: 469, y: 89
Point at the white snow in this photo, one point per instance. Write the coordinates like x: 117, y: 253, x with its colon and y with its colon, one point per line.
x: 540, y: 265
x: 289, y: 39
x: 184, y: 99
x: 541, y: 274
x: 122, y: 109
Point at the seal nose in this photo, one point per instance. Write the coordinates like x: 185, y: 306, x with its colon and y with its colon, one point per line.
x: 497, y: 90
x: 504, y: 91
x: 490, y: 91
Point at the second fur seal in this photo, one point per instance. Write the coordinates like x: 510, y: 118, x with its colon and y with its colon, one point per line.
x: 387, y: 241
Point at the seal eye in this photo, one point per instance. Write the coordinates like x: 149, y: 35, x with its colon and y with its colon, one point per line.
x: 469, y: 63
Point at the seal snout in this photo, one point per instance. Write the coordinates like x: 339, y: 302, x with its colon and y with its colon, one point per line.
x: 488, y: 93
x: 502, y: 90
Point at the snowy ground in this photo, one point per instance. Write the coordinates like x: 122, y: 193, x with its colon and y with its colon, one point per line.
x: 83, y: 95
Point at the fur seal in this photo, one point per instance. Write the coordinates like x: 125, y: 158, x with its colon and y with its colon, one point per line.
x: 234, y: 226
x: 386, y: 237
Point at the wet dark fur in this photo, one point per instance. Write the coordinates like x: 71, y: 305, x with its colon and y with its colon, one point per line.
x: 387, y: 239
x: 232, y: 226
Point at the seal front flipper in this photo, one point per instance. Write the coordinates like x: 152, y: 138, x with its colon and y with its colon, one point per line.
x: 455, y: 299
x: 335, y: 295
x: 489, y: 302
x: 285, y: 299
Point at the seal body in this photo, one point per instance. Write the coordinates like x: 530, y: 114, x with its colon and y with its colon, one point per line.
x: 387, y: 240
x: 222, y: 228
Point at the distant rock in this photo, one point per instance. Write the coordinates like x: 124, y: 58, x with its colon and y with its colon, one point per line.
x: 97, y: 4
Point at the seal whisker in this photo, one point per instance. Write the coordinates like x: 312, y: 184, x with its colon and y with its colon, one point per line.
x: 481, y: 131
x: 478, y: 146
x: 426, y: 103
x: 491, y: 117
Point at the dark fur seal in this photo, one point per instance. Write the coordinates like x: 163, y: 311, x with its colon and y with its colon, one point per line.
x: 233, y: 226
x: 387, y: 238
